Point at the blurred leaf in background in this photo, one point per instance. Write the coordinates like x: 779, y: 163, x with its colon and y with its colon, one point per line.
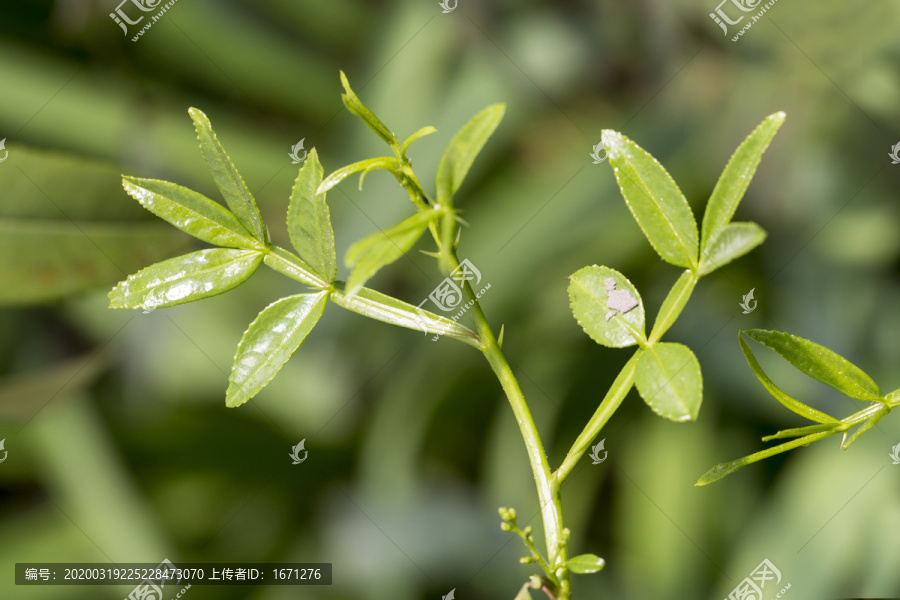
x: 120, y: 447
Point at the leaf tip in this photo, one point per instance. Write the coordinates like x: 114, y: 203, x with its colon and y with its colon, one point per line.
x: 612, y: 141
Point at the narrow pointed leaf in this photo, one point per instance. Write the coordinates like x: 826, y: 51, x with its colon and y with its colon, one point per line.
x: 279, y: 259
x: 428, y: 130
x: 654, y: 200
x: 820, y: 363
x: 736, y: 177
x: 673, y: 304
x: 270, y: 340
x: 800, y: 431
x: 371, y: 253
x: 790, y: 403
x: 186, y: 278
x: 388, y: 163
x: 191, y: 212
x: 376, y: 305
x: 462, y: 150
x: 867, y: 425
x: 309, y: 221
x: 591, y: 304
x: 355, y: 106
x: 668, y: 379
x: 733, y: 241
x: 724, y: 469
x: 227, y: 178
x: 585, y: 563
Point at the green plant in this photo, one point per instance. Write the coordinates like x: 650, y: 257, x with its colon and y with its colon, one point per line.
x: 823, y: 365
x: 608, y: 307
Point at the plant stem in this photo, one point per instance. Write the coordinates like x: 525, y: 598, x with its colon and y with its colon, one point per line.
x: 547, y: 486
x: 614, y: 397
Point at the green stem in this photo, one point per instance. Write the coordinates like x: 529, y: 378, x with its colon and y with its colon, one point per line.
x: 547, y: 486
x: 614, y: 397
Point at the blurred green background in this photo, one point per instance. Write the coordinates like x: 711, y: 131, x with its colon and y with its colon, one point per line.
x: 119, y: 444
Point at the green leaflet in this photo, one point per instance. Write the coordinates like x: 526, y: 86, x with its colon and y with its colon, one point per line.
x: 724, y: 469
x: 370, y: 254
x: 733, y: 241
x: 66, y: 228
x: 654, y: 200
x: 355, y: 106
x: 309, y: 221
x: 462, y: 150
x: 789, y: 402
x: 270, y: 340
x: 674, y: 303
x: 668, y: 379
x: 589, y: 298
x: 736, y: 177
x: 820, y: 363
x: 416, y: 135
x: 286, y: 263
x: 867, y: 425
x: 227, y: 178
x: 376, y: 305
x: 191, y: 212
x: 585, y: 563
x: 388, y: 163
x: 186, y: 278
